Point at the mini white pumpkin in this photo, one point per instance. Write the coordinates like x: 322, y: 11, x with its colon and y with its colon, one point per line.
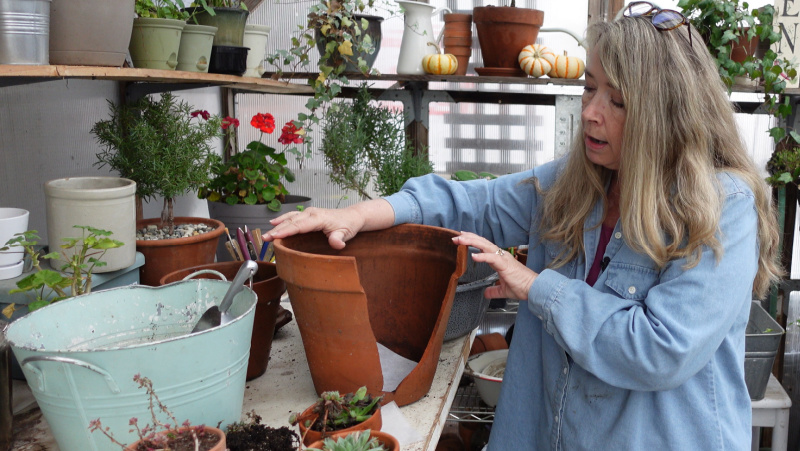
x: 567, y: 67
x: 536, y: 60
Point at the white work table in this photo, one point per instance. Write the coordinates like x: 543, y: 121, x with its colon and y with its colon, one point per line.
x: 286, y: 387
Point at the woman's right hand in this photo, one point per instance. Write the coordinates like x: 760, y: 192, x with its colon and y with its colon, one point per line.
x: 339, y: 225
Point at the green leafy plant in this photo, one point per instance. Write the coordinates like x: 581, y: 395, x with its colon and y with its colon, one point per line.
x: 82, y: 255
x: 209, y: 5
x: 357, y: 441
x: 256, y: 175
x: 161, y: 435
x: 162, y: 145
x: 784, y: 164
x: 333, y: 411
x: 722, y: 23
x: 344, y: 41
x: 161, y: 9
x: 364, y: 142
x: 466, y: 175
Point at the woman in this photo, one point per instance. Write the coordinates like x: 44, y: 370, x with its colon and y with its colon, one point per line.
x: 647, y: 244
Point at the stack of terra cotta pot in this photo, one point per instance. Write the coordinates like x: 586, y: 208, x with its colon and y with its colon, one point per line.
x: 458, y: 39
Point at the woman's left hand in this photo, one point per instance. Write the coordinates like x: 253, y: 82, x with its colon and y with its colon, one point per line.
x: 515, y: 278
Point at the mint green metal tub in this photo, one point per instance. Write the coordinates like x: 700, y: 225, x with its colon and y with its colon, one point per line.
x: 79, y: 357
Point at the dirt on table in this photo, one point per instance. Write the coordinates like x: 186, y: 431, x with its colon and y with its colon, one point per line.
x: 254, y: 436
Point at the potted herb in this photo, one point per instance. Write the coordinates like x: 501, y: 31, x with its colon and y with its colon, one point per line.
x: 156, y: 36
x: 725, y: 25
x: 347, y: 40
x: 357, y: 441
x: 249, y: 188
x: 338, y: 413
x: 165, y: 147
x: 365, y: 144
x: 82, y: 255
x: 166, y: 434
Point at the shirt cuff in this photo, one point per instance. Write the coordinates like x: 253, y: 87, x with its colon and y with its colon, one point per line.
x: 544, y: 292
x: 406, y: 208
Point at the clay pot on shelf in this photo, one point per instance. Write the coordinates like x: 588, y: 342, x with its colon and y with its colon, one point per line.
x: 502, y: 32
x: 457, y: 42
x: 268, y: 287
x: 457, y: 33
x: 462, y: 54
x: 348, y: 302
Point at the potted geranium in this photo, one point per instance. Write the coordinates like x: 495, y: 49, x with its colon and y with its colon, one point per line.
x: 249, y: 188
x: 165, y: 147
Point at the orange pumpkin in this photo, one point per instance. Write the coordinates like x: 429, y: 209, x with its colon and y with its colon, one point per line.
x: 438, y: 63
x: 567, y: 67
x: 536, y: 60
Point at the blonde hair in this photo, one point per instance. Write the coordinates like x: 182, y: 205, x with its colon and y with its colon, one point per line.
x: 679, y: 132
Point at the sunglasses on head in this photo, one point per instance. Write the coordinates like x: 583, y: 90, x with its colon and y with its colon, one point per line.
x: 662, y: 19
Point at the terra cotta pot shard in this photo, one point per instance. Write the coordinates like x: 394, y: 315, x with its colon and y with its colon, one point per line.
x: 392, y: 287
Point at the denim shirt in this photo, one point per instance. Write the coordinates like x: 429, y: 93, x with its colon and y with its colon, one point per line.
x: 646, y: 359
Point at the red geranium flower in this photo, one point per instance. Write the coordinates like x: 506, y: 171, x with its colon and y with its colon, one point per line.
x: 291, y: 134
x: 229, y: 121
x: 264, y: 122
x: 202, y: 113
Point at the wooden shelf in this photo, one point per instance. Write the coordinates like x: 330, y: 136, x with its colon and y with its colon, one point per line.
x: 14, y: 75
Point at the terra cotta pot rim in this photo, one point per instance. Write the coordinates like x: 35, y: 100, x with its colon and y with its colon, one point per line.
x: 512, y: 15
x: 219, y: 228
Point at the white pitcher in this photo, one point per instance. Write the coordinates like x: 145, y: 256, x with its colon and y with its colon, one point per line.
x: 418, y: 32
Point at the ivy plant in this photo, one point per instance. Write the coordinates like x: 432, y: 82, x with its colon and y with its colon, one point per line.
x: 722, y: 23
x: 345, y: 41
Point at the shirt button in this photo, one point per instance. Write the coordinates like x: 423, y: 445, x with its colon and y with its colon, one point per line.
x: 631, y: 290
x: 556, y: 418
x: 565, y: 370
x: 618, y: 235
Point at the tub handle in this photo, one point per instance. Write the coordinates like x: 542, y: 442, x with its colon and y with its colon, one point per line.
x: 206, y: 271
x: 214, y: 272
x: 46, y: 358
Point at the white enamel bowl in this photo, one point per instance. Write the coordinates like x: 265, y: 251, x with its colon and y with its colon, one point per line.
x: 486, y: 370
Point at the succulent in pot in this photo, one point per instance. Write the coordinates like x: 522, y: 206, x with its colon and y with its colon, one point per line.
x: 334, y: 412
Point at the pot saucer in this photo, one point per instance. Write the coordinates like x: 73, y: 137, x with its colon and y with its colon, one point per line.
x: 500, y: 72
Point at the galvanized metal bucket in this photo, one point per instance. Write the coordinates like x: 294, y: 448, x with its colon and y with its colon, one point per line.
x: 24, y: 31
x: 79, y: 357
